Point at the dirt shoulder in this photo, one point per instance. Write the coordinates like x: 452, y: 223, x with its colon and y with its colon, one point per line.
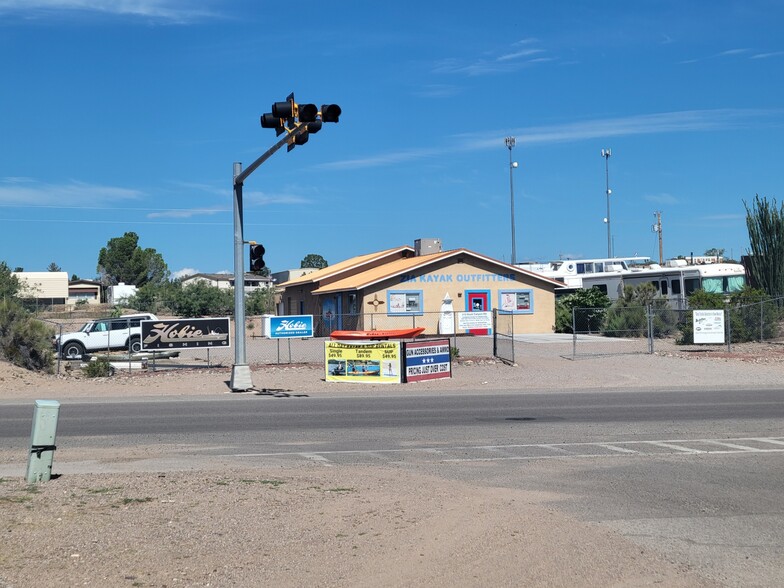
x: 752, y: 365
x: 311, y: 527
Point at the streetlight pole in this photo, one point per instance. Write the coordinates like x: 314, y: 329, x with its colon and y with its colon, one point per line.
x: 606, y: 153
x: 510, y: 142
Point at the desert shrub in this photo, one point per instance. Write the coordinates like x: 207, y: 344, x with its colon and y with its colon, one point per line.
x: 98, y: 368
x: 628, y: 316
x: 590, y: 304
x: 25, y: 341
x: 753, y: 316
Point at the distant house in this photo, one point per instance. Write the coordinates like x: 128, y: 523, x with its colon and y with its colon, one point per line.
x: 226, y: 281
x: 120, y: 293
x: 292, y: 274
x: 45, y: 287
x: 84, y: 290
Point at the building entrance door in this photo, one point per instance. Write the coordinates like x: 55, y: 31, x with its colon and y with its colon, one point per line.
x: 478, y: 301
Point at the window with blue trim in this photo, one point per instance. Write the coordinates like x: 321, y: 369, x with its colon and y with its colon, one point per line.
x: 516, y: 301
x: 404, y: 301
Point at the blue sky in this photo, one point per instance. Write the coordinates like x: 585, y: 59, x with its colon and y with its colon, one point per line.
x: 128, y: 116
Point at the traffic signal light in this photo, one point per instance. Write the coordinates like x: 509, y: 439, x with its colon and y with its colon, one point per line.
x: 330, y: 112
x: 282, y: 115
x: 307, y: 113
x: 289, y: 117
x: 256, y: 258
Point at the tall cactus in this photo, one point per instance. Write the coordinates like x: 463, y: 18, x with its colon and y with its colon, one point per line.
x: 765, y: 222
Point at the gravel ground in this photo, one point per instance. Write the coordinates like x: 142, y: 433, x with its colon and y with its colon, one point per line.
x: 342, y: 526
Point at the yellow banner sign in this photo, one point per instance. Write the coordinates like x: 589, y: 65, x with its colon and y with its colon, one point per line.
x: 372, y: 361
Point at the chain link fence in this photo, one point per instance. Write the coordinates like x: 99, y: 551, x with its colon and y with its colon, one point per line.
x: 503, y: 336
x: 660, y: 328
x: 595, y: 332
x: 261, y: 350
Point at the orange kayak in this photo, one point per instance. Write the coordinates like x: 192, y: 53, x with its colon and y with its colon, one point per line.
x: 377, y: 334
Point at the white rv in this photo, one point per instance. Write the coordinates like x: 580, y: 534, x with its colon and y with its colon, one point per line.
x: 675, y: 279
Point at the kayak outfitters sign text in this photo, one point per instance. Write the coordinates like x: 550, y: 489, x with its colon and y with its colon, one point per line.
x: 185, y: 333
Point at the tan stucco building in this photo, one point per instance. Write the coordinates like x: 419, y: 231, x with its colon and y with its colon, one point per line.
x: 397, y: 288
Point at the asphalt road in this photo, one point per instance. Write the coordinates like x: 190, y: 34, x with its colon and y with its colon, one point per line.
x: 696, y: 475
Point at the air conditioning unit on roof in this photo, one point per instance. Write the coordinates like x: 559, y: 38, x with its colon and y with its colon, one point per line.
x: 427, y: 246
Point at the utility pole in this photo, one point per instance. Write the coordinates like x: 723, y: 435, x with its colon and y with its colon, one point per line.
x: 606, y: 153
x: 510, y: 142
x: 657, y: 228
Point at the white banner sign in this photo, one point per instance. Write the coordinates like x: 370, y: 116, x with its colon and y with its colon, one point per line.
x: 708, y: 326
x: 475, y: 320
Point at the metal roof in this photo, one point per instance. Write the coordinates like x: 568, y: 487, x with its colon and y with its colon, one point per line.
x: 344, y: 266
x: 404, y: 265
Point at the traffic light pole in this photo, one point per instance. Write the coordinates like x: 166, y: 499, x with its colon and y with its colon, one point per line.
x: 240, y: 372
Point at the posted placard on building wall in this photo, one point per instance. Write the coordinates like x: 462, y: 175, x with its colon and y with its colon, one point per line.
x: 475, y: 320
x: 185, y: 333
x: 358, y: 361
x: 282, y: 327
x: 427, y: 360
x: 708, y: 326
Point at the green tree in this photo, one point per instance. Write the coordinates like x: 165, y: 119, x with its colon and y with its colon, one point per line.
x: 765, y: 223
x: 260, y: 301
x: 591, y: 304
x: 313, y: 260
x: 715, y: 252
x: 200, y: 299
x: 53, y: 267
x: 122, y: 260
x: 9, y: 283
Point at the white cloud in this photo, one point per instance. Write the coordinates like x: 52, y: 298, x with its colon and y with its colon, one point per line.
x: 663, y: 198
x: 767, y: 55
x: 184, y: 273
x: 25, y: 191
x: 509, y: 59
x: 188, y: 212
x: 642, y: 124
x: 265, y: 199
x: 178, y: 11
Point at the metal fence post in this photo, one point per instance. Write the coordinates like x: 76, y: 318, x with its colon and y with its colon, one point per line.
x: 762, y: 336
x: 574, y: 333
x: 649, y: 312
x: 728, y: 320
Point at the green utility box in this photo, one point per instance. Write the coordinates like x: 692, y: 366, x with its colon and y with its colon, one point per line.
x: 42, y: 441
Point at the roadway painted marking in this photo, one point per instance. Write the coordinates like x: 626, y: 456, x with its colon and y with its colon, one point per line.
x: 736, y: 446
x: 616, y: 448
x: 765, y: 440
x: 674, y: 446
x: 535, y: 451
x: 318, y: 458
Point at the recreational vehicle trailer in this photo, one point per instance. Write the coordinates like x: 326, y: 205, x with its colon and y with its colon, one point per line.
x: 675, y: 279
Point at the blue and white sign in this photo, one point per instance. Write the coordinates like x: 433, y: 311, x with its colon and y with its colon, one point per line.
x: 282, y: 327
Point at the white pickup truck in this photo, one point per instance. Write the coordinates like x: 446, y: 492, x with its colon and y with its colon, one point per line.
x: 118, y: 333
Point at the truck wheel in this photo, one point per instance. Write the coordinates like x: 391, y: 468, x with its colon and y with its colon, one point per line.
x: 73, y: 350
x: 136, y: 345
